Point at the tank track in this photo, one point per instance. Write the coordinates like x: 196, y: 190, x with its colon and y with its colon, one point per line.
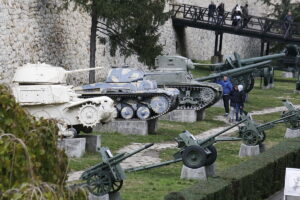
x: 202, y: 105
x: 135, y: 97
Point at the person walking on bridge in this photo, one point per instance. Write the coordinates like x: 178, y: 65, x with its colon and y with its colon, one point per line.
x: 211, y: 12
x: 245, y: 13
x: 227, y: 88
x: 288, y: 20
x: 221, y: 12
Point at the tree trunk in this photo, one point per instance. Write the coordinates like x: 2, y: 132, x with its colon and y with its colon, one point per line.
x: 93, y: 46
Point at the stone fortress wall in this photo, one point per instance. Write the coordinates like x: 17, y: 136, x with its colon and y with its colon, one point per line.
x: 36, y: 31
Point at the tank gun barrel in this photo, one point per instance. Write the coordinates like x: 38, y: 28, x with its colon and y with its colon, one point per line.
x: 236, y: 71
x: 208, y: 64
x: 83, y: 70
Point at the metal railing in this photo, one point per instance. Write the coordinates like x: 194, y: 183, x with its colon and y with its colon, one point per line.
x: 260, y: 25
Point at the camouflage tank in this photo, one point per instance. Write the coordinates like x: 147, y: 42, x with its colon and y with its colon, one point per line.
x: 173, y: 72
x: 135, y: 97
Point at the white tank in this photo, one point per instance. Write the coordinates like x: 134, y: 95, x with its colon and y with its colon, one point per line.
x: 42, y: 90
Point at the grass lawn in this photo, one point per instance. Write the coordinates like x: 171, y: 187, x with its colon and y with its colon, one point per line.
x: 156, y: 183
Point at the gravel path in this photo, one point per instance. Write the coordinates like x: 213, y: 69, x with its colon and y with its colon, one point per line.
x: 151, y: 155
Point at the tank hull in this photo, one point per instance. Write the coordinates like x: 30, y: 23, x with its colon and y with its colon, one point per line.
x: 193, y: 95
x: 135, y: 100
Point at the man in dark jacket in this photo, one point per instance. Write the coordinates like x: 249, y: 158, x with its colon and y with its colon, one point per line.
x: 227, y: 88
x: 246, y: 18
x: 237, y: 100
x: 211, y: 12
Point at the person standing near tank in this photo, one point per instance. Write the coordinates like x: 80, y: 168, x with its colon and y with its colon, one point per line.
x: 227, y: 88
x: 237, y: 100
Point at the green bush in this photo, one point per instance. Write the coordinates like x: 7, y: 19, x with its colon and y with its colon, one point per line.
x: 255, y: 179
x: 30, y: 162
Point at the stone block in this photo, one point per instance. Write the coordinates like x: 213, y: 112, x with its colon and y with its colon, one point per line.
x: 199, y: 174
x: 94, y: 197
x: 288, y: 197
x: 266, y: 87
x: 184, y: 116
x: 115, y: 196
x: 93, y: 142
x: 292, y: 133
x: 246, y: 150
x: 287, y: 75
x: 219, y: 104
x: 128, y: 127
x: 74, y: 147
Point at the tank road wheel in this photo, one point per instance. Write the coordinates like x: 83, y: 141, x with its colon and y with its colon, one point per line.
x: 99, y: 184
x: 207, y: 95
x: 143, y: 112
x: 127, y: 112
x: 250, y: 138
x: 194, y: 157
x: 211, y: 158
x: 116, y: 186
x: 88, y: 115
x: 159, y: 104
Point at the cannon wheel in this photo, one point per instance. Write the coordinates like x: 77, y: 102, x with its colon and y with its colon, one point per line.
x: 99, y: 184
x: 194, y: 157
x: 211, y: 158
x: 250, y: 138
x: 116, y: 186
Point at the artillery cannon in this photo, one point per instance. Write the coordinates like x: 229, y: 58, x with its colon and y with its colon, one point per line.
x: 253, y: 133
x: 291, y: 63
x: 135, y: 97
x: 235, y: 62
x: 43, y: 91
x: 238, y: 75
x: 108, y: 176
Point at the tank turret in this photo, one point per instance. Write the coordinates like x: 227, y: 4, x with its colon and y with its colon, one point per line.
x: 174, y: 72
x: 43, y: 91
x: 135, y: 97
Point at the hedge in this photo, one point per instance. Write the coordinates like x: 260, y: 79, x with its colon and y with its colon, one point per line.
x: 255, y: 179
x: 31, y: 165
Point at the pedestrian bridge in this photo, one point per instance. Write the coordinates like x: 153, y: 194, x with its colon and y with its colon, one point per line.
x: 258, y: 27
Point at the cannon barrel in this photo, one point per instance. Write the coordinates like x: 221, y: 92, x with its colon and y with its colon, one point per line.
x: 117, y: 159
x: 141, y: 168
x: 238, y: 71
x: 262, y: 58
x: 200, y: 142
x: 112, y: 161
x: 289, y: 51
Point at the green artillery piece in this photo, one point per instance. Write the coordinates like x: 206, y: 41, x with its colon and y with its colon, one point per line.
x: 291, y: 63
x: 241, y: 71
x: 108, y: 176
x: 253, y: 133
x: 238, y: 75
